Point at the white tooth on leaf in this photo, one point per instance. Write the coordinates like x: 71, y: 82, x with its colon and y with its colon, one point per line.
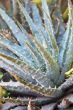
x: 49, y: 87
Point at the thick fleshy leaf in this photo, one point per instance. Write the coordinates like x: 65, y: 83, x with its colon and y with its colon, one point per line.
x: 37, y: 50
x: 51, y: 65
x: 66, y: 51
x: 7, y: 52
x: 40, y: 33
x: 37, y: 54
x: 38, y: 21
x: 32, y: 25
x: 32, y: 46
x: 18, y: 88
x: 13, y: 69
x: 36, y: 16
x: 13, y: 27
x: 49, y: 27
x: 19, y: 62
x: 24, y: 78
x: 21, y: 52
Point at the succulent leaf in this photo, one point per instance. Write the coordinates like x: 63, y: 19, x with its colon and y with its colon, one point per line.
x: 16, y: 49
x: 18, y: 34
x: 34, y: 57
x: 66, y: 51
x: 36, y: 16
x: 40, y: 33
x: 24, y: 78
x: 51, y: 65
x: 49, y: 27
x: 32, y: 26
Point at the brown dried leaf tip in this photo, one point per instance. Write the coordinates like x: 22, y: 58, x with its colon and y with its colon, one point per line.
x: 65, y: 103
x: 32, y: 106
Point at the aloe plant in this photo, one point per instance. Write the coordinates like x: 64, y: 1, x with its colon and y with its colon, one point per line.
x: 35, y: 58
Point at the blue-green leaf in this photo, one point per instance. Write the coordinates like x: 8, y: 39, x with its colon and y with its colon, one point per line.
x: 66, y: 51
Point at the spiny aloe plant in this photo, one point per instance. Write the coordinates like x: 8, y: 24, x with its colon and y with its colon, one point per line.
x: 35, y: 59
